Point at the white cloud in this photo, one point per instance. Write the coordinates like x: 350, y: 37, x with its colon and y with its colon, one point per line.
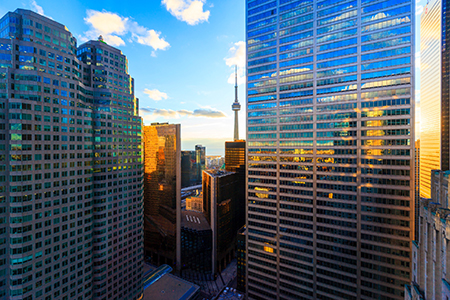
x: 148, y: 37
x: 37, y: 8
x: 237, y: 58
x: 155, y: 94
x: 153, y: 113
x: 189, y: 11
x: 114, y: 28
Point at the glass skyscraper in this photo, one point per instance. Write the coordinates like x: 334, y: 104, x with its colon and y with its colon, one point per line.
x: 71, y: 170
x: 330, y: 129
x: 435, y: 88
x: 162, y: 194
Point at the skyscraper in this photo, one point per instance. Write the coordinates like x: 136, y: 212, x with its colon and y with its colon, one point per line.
x: 435, y: 92
x: 235, y: 162
x: 192, y: 165
x: 71, y: 170
x: 188, y: 169
x: 330, y: 118
x: 162, y: 194
x: 200, y: 160
x: 219, y: 202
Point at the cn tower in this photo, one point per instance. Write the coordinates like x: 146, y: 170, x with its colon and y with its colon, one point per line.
x: 236, y: 108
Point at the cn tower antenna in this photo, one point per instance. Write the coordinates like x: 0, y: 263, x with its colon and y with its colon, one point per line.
x: 236, y: 107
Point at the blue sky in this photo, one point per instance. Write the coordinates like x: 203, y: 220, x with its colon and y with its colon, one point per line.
x: 177, y: 52
x: 180, y: 52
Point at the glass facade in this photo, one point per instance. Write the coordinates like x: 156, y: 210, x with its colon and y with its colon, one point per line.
x: 71, y: 169
x: 434, y: 107
x: 162, y: 194
x: 219, y: 206
x: 188, y: 169
x: 330, y: 143
x: 235, y: 162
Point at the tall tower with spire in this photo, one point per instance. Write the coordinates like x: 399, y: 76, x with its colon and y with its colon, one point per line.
x: 236, y: 107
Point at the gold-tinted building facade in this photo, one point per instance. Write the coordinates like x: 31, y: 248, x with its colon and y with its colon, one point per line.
x: 162, y: 193
x: 434, y: 154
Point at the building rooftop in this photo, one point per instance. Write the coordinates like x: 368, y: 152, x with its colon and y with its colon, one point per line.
x: 218, y: 173
x: 194, y: 220
x: 161, y: 285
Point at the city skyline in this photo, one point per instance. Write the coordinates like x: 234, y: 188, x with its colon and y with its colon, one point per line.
x: 191, y: 82
x: 206, y: 43
x: 92, y: 195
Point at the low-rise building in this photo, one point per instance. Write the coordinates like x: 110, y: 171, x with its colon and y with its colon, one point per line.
x: 431, y: 250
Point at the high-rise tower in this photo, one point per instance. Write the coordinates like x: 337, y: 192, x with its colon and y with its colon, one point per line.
x: 236, y: 108
x: 435, y: 92
x: 330, y: 143
x: 71, y: 170
x: 162, y: 194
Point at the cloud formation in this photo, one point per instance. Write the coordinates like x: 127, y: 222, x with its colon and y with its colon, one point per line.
x: 155, y: 94
x: 189, y: 11
x: 37, y: 8
x: 176, y: 114
x: 236, y: 57
x: 114, y: 28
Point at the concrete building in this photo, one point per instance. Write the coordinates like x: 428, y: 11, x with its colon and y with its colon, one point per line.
x: 71, y: 169
x: 195, y: 203
x: 431, y: 254
x: 330, y: 143
x: 219, y: 201
x: 162, y: 194
x: 434, y: 90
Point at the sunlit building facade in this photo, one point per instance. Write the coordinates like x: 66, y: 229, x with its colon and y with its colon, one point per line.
x: 235, y: 161
x: 431, y: 251
x: 162, y: 194
x: 434, y: 93
x: 71, y: 169
x: 330, y: 127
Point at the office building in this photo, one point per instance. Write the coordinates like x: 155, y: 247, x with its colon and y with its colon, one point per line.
x: 188, y: 169
x: 162, y: 194
x: 195, y: 203
x: 219, y: 201
x: 196, y: 243
x: 241, y: 257
x: 71, y: 170
x: 431, y: 254
x: 434, y: 90
x: 235, y: 161
x: 200, y: 158
x: 192, y: 165
x: 235, y: 155
x: 330, y: 142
